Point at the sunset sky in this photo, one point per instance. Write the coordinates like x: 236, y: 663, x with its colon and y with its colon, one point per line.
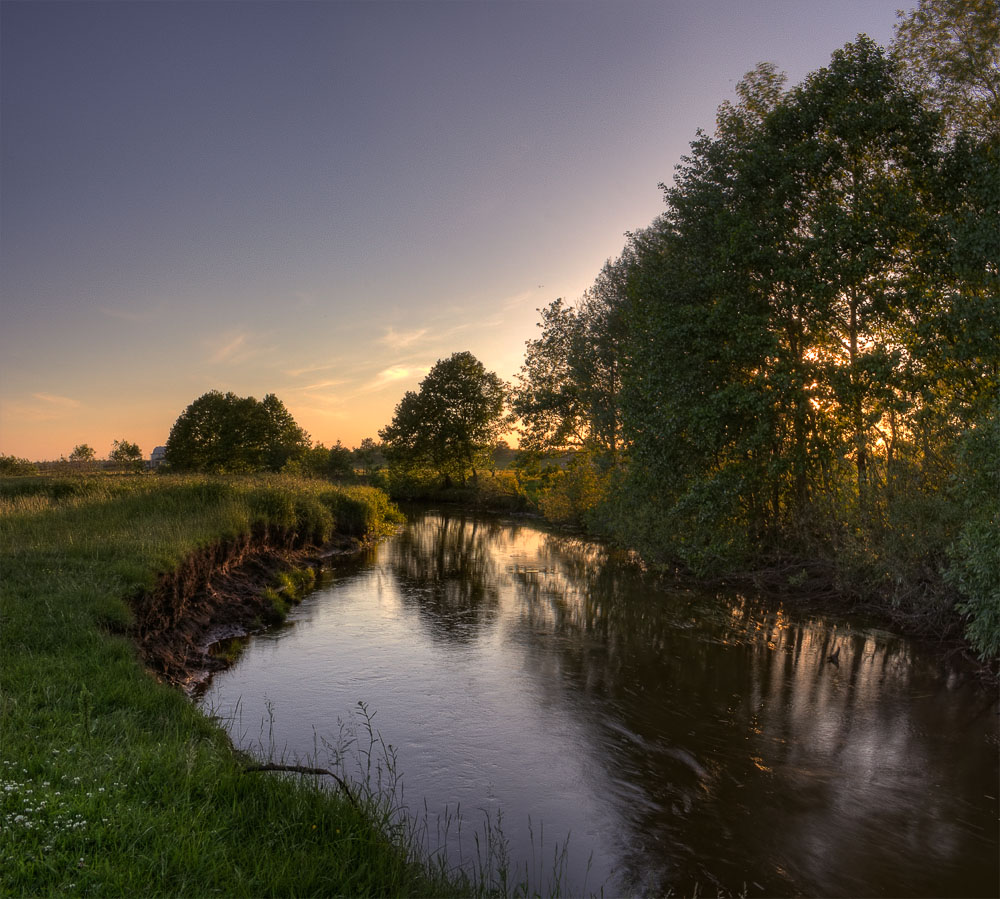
x: 321, y: 199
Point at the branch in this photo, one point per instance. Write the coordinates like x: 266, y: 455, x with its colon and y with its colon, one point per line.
x: 302, y: 769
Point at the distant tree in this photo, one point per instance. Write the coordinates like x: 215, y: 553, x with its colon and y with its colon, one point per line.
x: 452, y: 424
x: 950, y: 54
x: 368, y: 456
x: 340, y: 461
x: 82, y: 453
x: 227, y: 433
x: 126, y: 454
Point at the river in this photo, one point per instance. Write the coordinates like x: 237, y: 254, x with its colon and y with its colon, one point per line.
x: 627, y: 735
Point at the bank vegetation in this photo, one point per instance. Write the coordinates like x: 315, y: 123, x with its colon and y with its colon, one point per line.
x: 111, y: 781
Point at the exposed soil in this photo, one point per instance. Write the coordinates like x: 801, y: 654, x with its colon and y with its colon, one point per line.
x: 217, y: 593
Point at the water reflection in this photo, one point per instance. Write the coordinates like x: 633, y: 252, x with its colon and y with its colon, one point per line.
x: 725, y: 723
x: 687, y: 741
x: 448, y: 573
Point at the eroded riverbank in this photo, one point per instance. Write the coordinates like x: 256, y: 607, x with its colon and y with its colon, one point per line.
x: 219, y: 593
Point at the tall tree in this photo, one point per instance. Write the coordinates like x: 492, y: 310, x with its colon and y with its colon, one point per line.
x: 452, y: 423
x: 83, y: 452
x: 770, y: 306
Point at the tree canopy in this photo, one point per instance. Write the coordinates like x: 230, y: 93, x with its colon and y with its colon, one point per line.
x: 223, y: 432
x: 800, y: 358
x: 950, y: 55
x: 451, y: 424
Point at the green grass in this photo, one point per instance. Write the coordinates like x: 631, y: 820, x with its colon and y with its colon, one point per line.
x: 114, y: 784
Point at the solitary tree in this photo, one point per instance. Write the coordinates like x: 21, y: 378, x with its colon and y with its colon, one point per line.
x: 227, y: 433
x: 83, y: 452
x: 451, y: 424
x: 368, y: 455
x: 126, y: 454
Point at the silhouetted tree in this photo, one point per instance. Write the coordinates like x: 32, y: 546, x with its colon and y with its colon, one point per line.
x: 340, y: 462
x: 126, y: 454
x: 227, y: 433
x: 83, y: 453
x: 452, y: 424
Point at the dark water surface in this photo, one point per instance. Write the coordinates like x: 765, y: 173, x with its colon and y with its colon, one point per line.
x: 675, y: 739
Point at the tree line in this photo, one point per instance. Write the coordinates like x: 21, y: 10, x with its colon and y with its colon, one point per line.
x: 799, y: 360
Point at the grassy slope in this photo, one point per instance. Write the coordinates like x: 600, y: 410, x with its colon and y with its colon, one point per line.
x: 111, y: 783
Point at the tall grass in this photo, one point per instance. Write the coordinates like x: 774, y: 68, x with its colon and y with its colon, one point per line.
x: 112, y: 783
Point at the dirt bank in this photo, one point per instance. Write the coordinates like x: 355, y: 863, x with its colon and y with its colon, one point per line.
x: 217, y: 593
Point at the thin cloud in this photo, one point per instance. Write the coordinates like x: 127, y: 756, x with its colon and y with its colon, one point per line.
x: 54, y: 401
x: 234, y: 348
x: 397, y: 373
x: 520, y: 299
x: 390, y: 376
x: 320, y: 385
x: 228, y: 351
x: 310, y: 369
x: 40, y: 407
x: 399, y: 340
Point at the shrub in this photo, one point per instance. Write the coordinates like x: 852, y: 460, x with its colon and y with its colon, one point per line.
x: 975, y: 555
x: 13, y: 465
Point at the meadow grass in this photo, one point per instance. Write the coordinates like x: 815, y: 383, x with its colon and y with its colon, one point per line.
x: 112, y: 783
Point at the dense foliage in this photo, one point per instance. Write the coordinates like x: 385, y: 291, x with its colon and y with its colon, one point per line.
x: 227, y: 433
x: 451, y: 425
x: 799, y: 361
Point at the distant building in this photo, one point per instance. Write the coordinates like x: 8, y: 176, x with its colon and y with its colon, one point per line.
x: 157, y: 457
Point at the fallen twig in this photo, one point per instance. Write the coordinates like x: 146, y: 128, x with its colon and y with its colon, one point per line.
x: 304, y: 769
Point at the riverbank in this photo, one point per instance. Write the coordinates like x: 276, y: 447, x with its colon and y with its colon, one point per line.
x: 112, y: 782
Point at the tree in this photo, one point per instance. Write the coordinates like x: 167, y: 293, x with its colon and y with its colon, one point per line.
x: 340, y: 461
x: 227, y: 433
x: 126, y: 454
x: 83, y: 453
x: 949, y: 51
x: 772, y: 308
x: 568, y: 390
x: 15, y: 465
x: 368, y: 455
x: 451, y: 424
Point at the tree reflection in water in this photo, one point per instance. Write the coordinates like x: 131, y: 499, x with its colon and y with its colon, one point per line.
x: 448, y: 574
x: 727, y: 726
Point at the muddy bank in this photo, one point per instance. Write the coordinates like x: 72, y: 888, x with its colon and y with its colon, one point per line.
x: 218, y: 593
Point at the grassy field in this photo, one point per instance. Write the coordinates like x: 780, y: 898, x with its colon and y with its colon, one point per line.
x: 112, y: 783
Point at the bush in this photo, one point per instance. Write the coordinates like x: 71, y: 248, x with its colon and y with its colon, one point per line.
x: 576, y: 496
x: 975, y: 555
x: 13, y: 465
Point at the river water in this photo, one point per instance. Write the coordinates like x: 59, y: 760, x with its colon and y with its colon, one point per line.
x: 653, y: 739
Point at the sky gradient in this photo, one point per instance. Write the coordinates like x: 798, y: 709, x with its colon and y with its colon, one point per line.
x: 319, y: 200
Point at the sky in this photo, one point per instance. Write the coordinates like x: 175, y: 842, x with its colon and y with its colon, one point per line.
x: 321, y: 199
